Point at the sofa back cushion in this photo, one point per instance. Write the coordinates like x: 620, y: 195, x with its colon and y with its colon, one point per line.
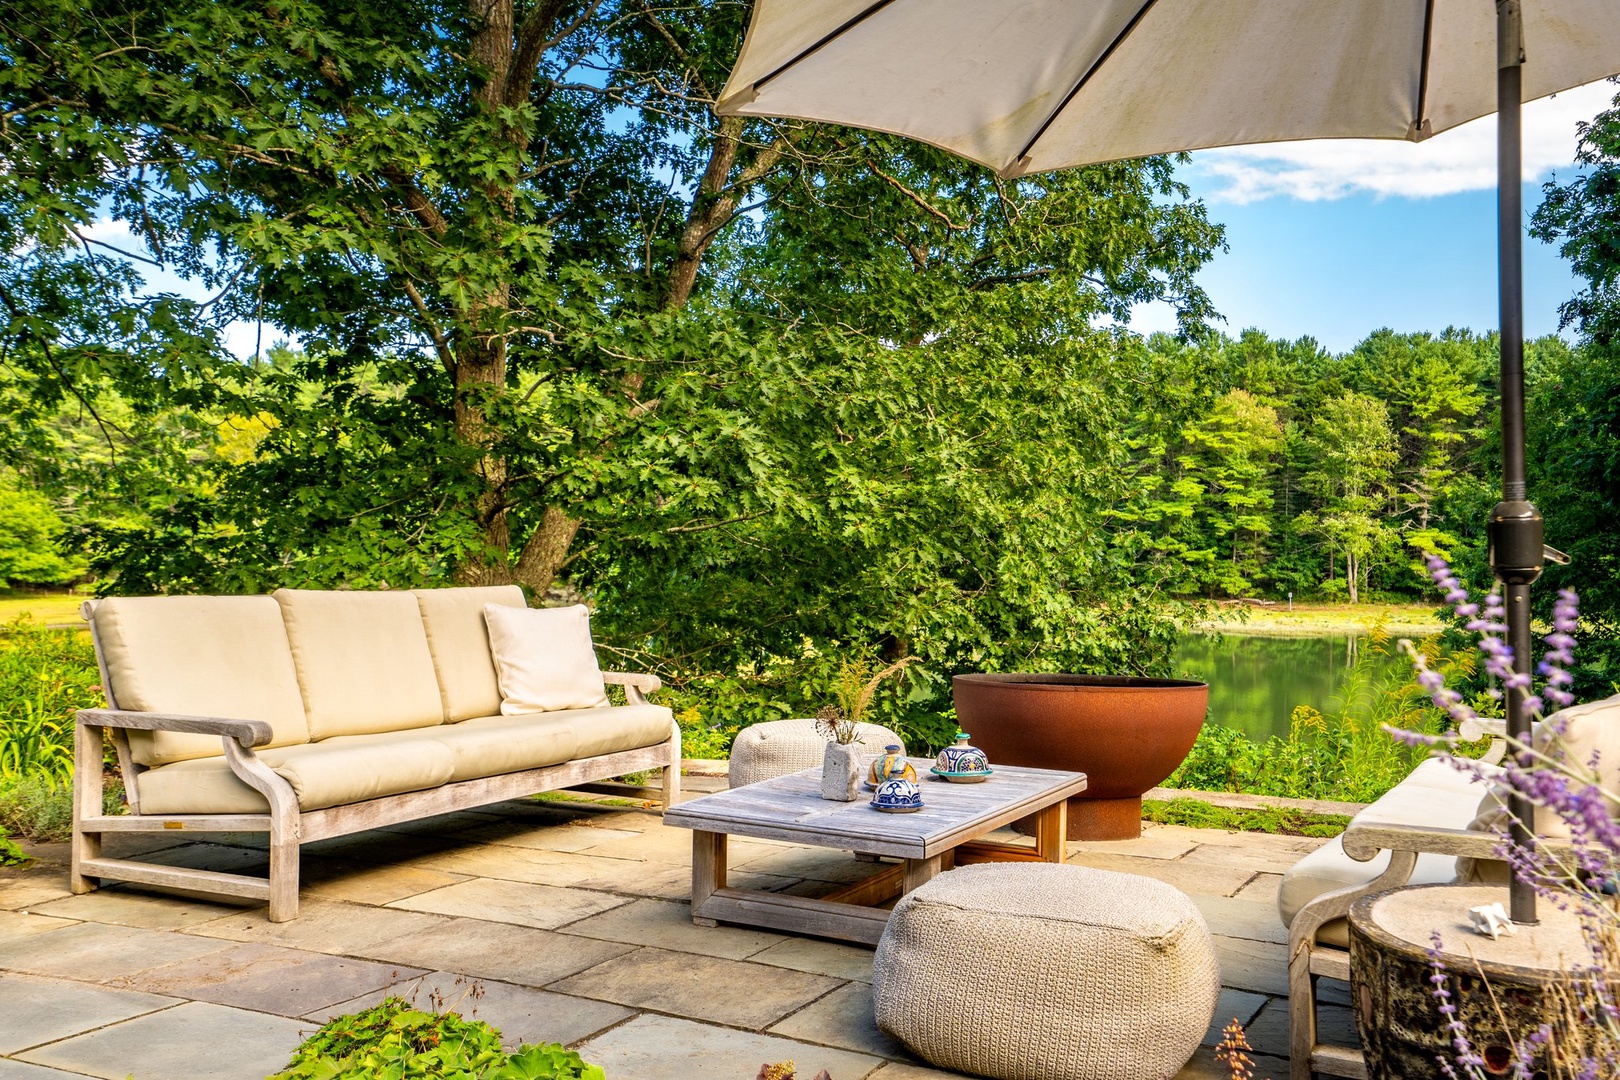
x: 225, y: 656
x: 1591, y: 734
x: 363, y: 661
x: 544, y: 659
x: 459, y: 641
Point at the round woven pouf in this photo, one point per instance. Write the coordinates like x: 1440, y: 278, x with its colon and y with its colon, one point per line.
x: 1035, y: 971
x: 779, y: 747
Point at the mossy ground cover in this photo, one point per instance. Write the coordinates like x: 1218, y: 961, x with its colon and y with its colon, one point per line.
x: 1197, y: 814
x: 1316, y: 620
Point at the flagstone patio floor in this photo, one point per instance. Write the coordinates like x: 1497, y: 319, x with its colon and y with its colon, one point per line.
x: 554, y: 920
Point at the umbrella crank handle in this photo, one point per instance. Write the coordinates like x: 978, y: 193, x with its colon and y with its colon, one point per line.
x: 1553, y: 555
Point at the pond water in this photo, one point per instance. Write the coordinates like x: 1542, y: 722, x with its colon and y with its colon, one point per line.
x: 1255, y: 682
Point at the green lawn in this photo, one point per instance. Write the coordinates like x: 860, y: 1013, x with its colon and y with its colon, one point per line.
x: 1311, y: 620
x: 43, y: 607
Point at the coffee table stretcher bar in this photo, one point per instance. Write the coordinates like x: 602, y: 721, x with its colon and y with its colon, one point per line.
x: 942, y: 835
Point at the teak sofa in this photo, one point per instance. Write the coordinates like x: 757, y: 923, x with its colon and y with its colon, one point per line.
x: 310, y: 714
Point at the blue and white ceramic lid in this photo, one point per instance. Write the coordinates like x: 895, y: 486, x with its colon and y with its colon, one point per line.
x: 962, y: 757
x: 897, y: 792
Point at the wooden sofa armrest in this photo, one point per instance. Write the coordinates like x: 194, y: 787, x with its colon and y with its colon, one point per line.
x: 1364, y: 841
x: 247, y: 732
x: 636, y: 685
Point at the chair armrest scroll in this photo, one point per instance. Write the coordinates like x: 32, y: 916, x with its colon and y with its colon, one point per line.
x: 637, y: 686
x: 1364, y: 841
x: 246, y: 732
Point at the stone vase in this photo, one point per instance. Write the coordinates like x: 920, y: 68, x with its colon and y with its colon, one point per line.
x: 841, y: 772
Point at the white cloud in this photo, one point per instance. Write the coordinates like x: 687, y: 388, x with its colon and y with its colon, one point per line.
x: 1462, y: 159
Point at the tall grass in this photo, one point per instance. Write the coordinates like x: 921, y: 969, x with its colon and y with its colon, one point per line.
x: 45, y: 676
x: 1340, y: 752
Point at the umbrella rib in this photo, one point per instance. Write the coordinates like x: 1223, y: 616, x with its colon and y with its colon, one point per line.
x: 1119, y: 39
x: 854, y: 21
x: 1423, y: 71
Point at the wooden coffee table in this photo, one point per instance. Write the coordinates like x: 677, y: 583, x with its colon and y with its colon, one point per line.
x: 939, y: 836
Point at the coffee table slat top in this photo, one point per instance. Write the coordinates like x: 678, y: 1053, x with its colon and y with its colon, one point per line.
x: 791, y: 808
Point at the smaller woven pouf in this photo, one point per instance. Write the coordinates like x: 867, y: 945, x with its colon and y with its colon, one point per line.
x: 1036, y: 971
x: 779, y: 747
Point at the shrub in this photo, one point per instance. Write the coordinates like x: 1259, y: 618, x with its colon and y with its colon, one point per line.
x: 45, y: 676
x: 398, y: 1040
x: 41, y: 809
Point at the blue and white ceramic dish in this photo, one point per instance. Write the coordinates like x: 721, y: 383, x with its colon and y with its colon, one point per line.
x: 897, y: 796
x: 962, y: 763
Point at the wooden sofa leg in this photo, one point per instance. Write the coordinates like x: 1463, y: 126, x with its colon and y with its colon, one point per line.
x: 87, y: 797
x: 672, y: 771
x: 283, y: 876
x: 1301, y: 1012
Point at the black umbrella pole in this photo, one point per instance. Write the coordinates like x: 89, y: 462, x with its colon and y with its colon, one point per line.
x: 1514, y: 529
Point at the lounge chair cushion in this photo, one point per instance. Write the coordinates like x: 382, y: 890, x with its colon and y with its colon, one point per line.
x: 363, y: 661
x: 544, y: 659
x: 1434, y: 794
x: 459, y: 641
x: 223, y: 656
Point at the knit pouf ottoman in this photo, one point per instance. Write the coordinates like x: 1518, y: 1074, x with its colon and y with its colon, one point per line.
x: 779, y: 747
x: 1036, y: 971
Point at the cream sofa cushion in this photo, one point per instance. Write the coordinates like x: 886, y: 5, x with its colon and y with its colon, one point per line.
x: 492, y: 745
x: 544, y: 659
x: 1591, y: 734
x: 322, y: 774
x: 624, y: 727
x: 459, y: 641
x: 363, y: 661
x: 1434, y: 794
x: 224, y: 656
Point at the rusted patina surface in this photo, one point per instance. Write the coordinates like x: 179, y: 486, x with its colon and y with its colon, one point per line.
x: 1125, y: 734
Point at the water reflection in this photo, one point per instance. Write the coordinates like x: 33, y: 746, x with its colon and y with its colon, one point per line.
x: 1255, y: 682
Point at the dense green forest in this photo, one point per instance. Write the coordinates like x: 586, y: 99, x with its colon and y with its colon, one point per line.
x: 769, y: 395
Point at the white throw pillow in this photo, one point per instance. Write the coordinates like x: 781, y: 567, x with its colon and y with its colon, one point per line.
x: 544, y: 660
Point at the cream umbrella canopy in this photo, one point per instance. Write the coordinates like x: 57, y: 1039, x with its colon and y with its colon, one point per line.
x: 1025, y: 86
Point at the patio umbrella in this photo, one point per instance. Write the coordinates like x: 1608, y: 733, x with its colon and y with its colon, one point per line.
x: 1024, y: 86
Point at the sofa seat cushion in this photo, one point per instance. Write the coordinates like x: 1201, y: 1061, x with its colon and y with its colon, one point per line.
x: 1434, y: 794
x: 492, y: 745
x: 363, y: 661
x: 622, y: 727
x: 333, y: 773
x: 459, y: 641
x: 224, y: 656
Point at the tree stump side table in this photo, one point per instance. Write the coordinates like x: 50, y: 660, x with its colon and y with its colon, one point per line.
x: 1402, y: 1030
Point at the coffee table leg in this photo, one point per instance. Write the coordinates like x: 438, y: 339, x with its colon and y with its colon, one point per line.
x: 1051, y: 832
x: 920, y: 872
x: 708, y: 870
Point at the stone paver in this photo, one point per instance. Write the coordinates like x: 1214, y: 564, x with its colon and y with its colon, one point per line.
x: 819, y: 957
x: 667, y: 924
x: 665, y: 1048
x: 576, y: 836
x: 325, y: 926
x: 1268, y: 1032
x: 35, y: 1010
x: 96, y: 952
x: 500, y: 951
x: 16, y: 925
x: 700, y: 987
x: 843, y: 1019
x: 545, y: 907
x: 194, y: 1041
x: 472, y: 899
x: 122, y: 907
x: 1239, y: 1005
x: 21, y: 1070
x: 269, y: 978
x: 519, y: 1013
x: 369, y: 883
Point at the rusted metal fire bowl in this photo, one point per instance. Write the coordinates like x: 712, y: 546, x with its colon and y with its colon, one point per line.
x: 1126, y: 734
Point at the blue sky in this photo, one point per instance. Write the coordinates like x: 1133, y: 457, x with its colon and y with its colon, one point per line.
x: 1337, y: 239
